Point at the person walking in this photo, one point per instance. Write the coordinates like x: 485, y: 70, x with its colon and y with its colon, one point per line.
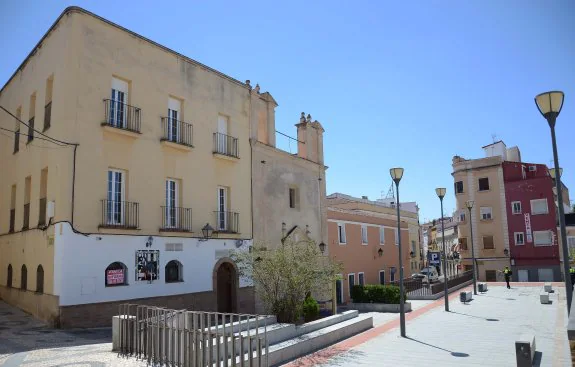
x: 507, y: 273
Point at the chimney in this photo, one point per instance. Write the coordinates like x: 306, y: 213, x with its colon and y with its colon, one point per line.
x: 310, y: 139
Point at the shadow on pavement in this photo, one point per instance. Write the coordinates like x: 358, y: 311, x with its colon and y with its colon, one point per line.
x: 455, y: 354
x: 477, y: 317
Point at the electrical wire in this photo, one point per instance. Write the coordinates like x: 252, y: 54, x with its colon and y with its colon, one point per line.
x: 35, y: 137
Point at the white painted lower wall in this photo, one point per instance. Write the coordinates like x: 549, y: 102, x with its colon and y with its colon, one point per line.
x: 80, y: 263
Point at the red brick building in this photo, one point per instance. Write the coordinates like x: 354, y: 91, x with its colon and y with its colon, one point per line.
x: 532, y: 222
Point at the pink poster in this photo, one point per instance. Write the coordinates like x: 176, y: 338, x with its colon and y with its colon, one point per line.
x: 115, y: 276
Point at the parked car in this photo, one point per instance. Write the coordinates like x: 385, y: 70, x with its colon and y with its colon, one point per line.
x: 427, y: 275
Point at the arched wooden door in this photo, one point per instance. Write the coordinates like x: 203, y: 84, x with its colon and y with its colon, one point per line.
x: 226, y: 287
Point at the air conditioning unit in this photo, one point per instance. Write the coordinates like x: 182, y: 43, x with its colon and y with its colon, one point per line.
x: 50, y: 210
x: 532, y: 168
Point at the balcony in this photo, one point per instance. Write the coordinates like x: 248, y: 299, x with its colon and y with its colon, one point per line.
x: 122, y: 116
x: 12, y: 220
x: 175, y: 219
x: 42, y: 214
x: 30, y: 129
x: 227, y: 222
x: 120, y: 214
x: 47, y: 115
x: 226, y: 145
x: 26, y: 223
x: 177, y: 132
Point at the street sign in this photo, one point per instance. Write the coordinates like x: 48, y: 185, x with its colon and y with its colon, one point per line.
x: 434, y: 258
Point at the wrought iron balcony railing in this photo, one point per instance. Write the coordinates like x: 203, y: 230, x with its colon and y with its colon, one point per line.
x: 122, y: 116
x: 227, y: 222
x: 176, y: 131
x: 120, y: 214
x: 176, y: 219
x: 226, y: 145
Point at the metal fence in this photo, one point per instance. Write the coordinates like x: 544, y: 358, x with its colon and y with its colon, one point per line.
x: 417, y: 287
x: 183, y: 338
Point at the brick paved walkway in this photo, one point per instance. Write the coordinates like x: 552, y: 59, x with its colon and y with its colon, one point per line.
x: 481, y: 333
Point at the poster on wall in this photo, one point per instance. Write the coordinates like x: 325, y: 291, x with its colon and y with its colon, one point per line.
x: 528, y: 228
x: 147, y: 265
x: 115, y: 276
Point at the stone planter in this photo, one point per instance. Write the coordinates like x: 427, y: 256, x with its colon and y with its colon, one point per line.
x: 378, y: 307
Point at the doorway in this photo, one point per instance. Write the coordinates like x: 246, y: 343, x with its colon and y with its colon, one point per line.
x: 339, y: 291
x: 523, y: 275
x: 226, y: 287
x: 545, y: 275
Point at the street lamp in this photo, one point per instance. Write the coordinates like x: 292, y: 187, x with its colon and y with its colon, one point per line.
x: 396, y: 174
x: 550, y: 104
x: 469, y: 205
x: 440, y: 191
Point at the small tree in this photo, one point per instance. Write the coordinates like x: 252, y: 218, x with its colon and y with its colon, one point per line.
x: 284, y: 275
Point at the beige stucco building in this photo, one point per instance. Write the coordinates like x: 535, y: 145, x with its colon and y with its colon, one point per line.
x: 152, y: 148
x: 362, y: 236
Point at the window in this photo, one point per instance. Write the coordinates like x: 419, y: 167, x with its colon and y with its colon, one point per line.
x: 571, y: 246
x: 382, y: 277
x: 484, y: 184
x: 392, y: 274
x: 351, y: 281
x: 516, y: 207
x: 24, y: 278
x: 485, y: 212
x: 17, y: 130
x: 174, y: 108
x: 413, y: 247
x: 293, y: 197
x: 539, y: 206
x: 396, y: 236
x: 488, y: 243
x: 174, y: 270
x: 118, y: 101
x: 381, y: 235
x: 360, y: 278
x: 31, y: 115
x: 463, y: 243
x: 222, y: 208
x: 12, y: 209
x: 462, y: 216
x: 43, y: 194
x: 40, y: 279
x: 9, y: 277
x: 490, y: 275
x: 341, y: 233
x: 519, y: 238
x: 364, y: 234
x: 543, y: 238
x: 171, y: 212
x: 114, y: 207
x: 459, y: 187
x: 27, y: 189
x: 116, y: 274
x: 48, y: 103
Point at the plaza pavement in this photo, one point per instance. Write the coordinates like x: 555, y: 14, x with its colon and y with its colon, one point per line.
x: 481, y: 333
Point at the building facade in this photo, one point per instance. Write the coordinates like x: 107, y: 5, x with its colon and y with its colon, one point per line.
x: 363, y: 237
x: 501, y: 185
x: 153, y: 152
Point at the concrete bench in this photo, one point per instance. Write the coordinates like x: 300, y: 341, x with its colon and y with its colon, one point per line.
x: 548, y: 287
x: 544, y: 297
x: 465, y: 296
x: 482, y: 287
x: 525, y: 350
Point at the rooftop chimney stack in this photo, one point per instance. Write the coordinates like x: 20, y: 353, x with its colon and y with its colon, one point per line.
x: 310, y: 139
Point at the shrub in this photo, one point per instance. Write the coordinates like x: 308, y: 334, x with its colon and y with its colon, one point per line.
x: 310, y: 309
x: 375, y: 293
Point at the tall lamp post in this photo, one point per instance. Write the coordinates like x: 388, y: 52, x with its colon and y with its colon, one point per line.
x: 396, y: 174
x: 550, y: 104
x: 440, y: 191
x: 469, y: 205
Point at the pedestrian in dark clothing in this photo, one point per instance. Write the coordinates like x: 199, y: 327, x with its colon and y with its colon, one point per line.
x: 507, y: 273
x: 572, y: 274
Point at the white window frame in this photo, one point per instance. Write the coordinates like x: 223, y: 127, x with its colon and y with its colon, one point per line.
x: 515, y: 234
x: 222, y: 213
x: 483, y: 210
x: 171, y: 196
x: 364, y: 239
x: 349, y: 285
x: 462, y: 216
x: 382, y: 235
x: 539, y: 201
x: 360, y: 275
x: 118, y: 103
x: 115, y: 206
x: 513, y: 211
x: 174, y: 108
x: 341, y: 234
x: 550, y: 233
x: 379, y: 277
